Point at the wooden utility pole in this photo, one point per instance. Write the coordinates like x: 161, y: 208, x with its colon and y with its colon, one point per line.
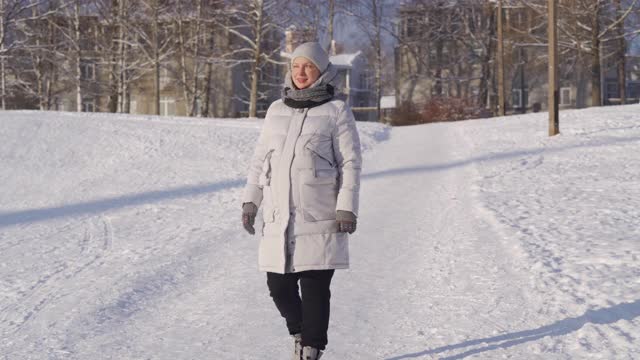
x: 501, y: 102
x: 554, y: 116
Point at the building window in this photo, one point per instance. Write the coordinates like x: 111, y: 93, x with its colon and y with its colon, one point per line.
x: 87, y: 70
x: 634, y: 90
x: 88, y: 105
x: 365, y: 82
x: 411, y: 27
x: 165, y: 77
x: 565, y: 96
x: 518, y: 101
x: 198, y: 109
x: 62, y: 104
x: 517, y: 18
x: 167, y: 106
x: 613, y: 91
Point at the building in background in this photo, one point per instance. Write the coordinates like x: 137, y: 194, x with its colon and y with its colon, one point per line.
x: 447, y: 54
x: 217, y: 85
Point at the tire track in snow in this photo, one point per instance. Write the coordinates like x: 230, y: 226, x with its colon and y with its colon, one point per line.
x: 95, y: 243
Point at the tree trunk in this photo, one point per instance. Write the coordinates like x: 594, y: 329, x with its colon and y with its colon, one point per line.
x: 378, y: 46
x: 501, y: 90
x: 48, y: 92
x: 50, y: 69
x: 253, y: 100
x: 189, y: 86
x: 156, y: 58
x: 332, y: 4
x: 596, y: 93
x: 78, y: 59
x: 207, y: 86
x: 186, y: 87
x: 622, y: 58
x: 3, y: 90
x: 122, y: 75
x: 486, y: 83
x: 196, y: 62
x: 438, y: 72
x: 113, y: 63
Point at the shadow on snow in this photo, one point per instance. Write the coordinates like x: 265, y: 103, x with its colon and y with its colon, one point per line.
x: 610, y: 315
x: 98, y: 206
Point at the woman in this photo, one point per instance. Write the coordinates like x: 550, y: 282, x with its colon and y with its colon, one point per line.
x: 305, y: 172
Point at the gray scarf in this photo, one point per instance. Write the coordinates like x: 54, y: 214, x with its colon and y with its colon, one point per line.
x: 320, y: 92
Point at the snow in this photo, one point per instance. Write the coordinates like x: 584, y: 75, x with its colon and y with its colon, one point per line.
x: 344, y: 60
x: 120, y: 238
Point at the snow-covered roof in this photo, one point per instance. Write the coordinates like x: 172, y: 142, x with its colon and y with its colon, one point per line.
x: 340, y: 60
x: 344, y: 59
x: 388, y: 102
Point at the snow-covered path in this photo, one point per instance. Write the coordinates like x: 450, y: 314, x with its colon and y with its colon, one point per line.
x: 432, y: 275
x: 120, y: 239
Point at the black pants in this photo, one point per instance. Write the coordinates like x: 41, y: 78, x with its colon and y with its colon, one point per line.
x: 309, y: 315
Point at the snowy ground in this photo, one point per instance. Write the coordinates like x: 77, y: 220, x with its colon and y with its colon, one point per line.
x: 485, y: 239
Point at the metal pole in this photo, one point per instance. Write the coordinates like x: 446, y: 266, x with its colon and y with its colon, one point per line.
x: 554, y: 116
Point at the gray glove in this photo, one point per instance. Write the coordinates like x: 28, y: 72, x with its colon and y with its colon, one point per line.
x: 249, y: 211
x: 346, y: 221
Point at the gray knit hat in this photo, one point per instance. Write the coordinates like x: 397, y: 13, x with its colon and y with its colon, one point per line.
x: 314, y: 52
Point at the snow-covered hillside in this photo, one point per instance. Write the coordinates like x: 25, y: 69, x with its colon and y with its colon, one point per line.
x: 120, y: 239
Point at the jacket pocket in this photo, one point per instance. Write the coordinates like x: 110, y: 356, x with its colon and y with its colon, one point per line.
x: 322, y: 159
x: 319, y: 197
x: 265, y: 175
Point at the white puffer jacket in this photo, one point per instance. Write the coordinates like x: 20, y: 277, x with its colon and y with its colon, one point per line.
x: 306, y: 166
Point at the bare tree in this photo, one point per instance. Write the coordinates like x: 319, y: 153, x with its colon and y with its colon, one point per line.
x: 255, y: 25
x: 152, y: 40
x: 39, y: 61
x: 11, y: 11
x: 371, y: 16
x: 585, y: 28
x: 77, y: 47
x: 622, y: 53
x: 191, y: 40
x: 447, y: 49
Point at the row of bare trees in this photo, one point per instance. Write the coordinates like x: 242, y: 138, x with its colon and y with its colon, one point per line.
x: 48, y: 48
x: 592, y: 31
x: 455, y: 43
x: 45, y: 47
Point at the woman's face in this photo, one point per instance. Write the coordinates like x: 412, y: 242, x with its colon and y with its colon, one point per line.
x: 304, y: 72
